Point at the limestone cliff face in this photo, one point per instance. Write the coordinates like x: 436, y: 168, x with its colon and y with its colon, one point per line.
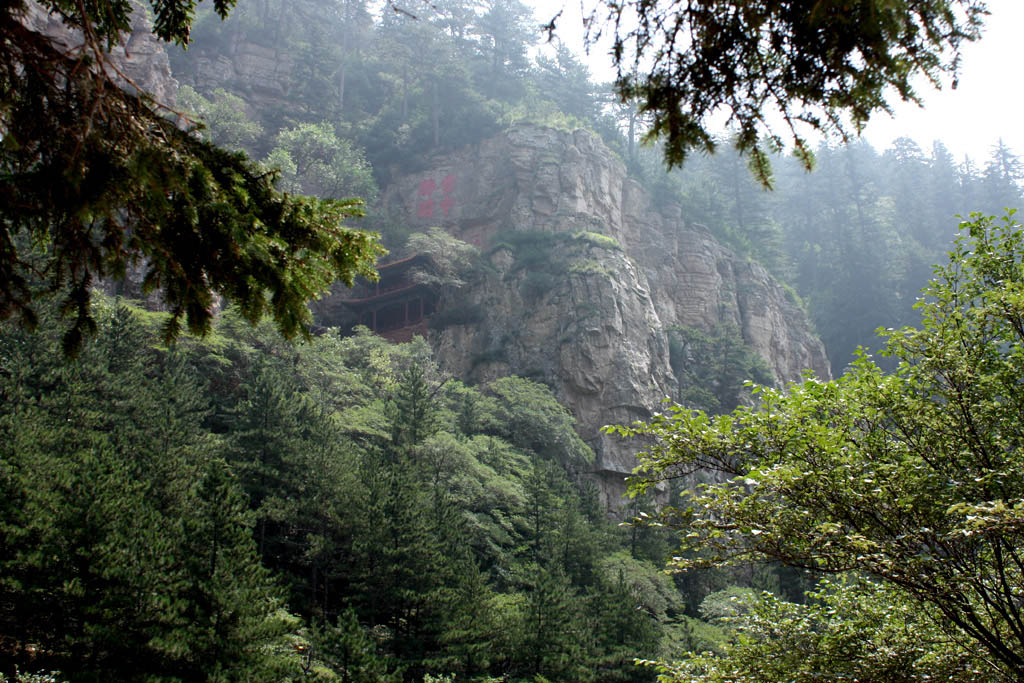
x: 583, y: 278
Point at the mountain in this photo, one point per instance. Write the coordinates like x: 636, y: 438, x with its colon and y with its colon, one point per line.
x: 585, y: 284
x: 584, y: 281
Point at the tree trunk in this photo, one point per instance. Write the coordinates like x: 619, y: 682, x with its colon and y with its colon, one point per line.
x: 405, y: 93
x: 341, y: 88
x: 436, y: 115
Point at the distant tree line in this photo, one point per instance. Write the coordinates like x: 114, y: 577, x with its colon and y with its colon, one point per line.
x: 856, y: 238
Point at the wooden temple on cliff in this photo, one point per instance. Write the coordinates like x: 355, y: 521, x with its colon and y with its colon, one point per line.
x: 396, y: 306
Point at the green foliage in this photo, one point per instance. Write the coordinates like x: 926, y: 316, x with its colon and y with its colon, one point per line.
x: 532, y: 249
x: 239, y: 508
x: 548, y: 258
x: 712, y: 368
x: 650, y: 590
x: 88, y: 196
x: 223, y: 118
x: 19, y: 677
x: 533, y: 419
x: 589, y: 267
x: 451, y: 259
x: 826, y: 66
x: 413, y: 416
x: 345, y: 651
x: 127, y: 545
x: 537, y: 111
x: 566, y: 80
x: 596, y: 239
x: 911, y: 479
x: 853, y: 630
x: 313, y: 160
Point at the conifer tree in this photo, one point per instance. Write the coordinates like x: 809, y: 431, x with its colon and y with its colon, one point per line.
x: 97, y: 179
x: 128, y: 554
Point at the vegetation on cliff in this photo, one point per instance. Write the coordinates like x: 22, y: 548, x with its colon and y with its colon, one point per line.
x: 907, y: 486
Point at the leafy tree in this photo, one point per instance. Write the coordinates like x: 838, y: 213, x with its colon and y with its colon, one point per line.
x: 852, y: 629
x: 226, y: 123
x: 314, y: 160
x: 451, y: 259
x: 913, y: 479
x: 533, y: 419
x: 96, y: 179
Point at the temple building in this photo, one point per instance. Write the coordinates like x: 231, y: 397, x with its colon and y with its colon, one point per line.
x: 396, y: 303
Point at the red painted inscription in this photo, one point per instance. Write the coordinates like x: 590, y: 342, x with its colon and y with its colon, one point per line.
x: 425, y: 207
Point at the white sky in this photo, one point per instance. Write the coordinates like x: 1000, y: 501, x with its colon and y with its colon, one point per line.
x: 987, y: 105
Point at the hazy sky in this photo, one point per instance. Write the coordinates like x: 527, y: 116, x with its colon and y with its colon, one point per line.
x: 987, y: 105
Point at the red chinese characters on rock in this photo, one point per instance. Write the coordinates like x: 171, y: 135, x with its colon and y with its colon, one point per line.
x: 425, y: 208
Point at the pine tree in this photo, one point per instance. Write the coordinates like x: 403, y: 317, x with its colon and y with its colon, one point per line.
x: 1000, y: 181
x: 412, y: 410
x: 400, y: 573
x: 128, y: 554
x: 350, y: 652
x: 86, y: 197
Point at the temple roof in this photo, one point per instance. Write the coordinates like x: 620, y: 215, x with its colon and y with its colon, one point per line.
x: 387, y: 297
x: 397, y: 268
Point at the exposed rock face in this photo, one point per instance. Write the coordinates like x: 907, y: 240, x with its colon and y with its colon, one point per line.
x: 243, y: 60
x: 141, y: 61
x: 262, y: 73
x: 576, y: 310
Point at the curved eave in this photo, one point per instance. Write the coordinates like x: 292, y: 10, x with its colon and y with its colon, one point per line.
x: 394, y: 295
x: 396, y: 268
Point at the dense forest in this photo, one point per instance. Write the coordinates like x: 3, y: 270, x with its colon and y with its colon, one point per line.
x: 330, y: 510
x: 240, y: 506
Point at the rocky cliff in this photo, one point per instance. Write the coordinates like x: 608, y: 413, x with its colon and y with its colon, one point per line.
x: 583, y: 279
x: 140, y: 62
